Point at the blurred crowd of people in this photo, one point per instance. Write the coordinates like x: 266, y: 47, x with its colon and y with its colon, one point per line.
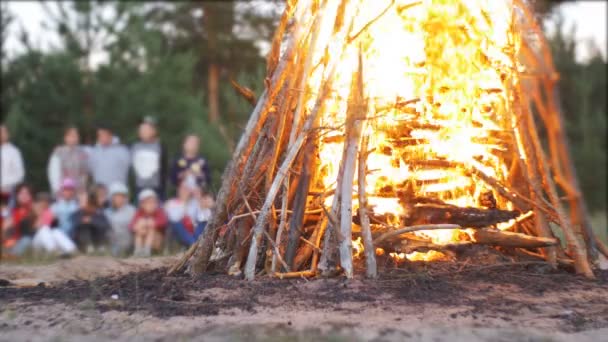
x: 90, y: 208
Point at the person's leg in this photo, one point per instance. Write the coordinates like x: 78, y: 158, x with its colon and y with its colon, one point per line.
x: 84, y: 238
x: 100, y: 237
x: 182, y: 234
x: 148, y: 241
x: 22, y: 246
x: 157, y: 240
x: 44, y: 241
x: 200, y: 229
x: 64, y: 244
x: 139, y: 237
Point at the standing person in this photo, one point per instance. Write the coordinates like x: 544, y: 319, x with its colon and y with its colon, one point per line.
x: 90, y: 224
x: 191, y: 167
x: 120, y: 214
x: 69, y: 160
x: 182, y: 212
x: 149, y: 224
x: 12, y: 171
x: 109, y: 160
x: 65, y: 206
x: 148, y: 159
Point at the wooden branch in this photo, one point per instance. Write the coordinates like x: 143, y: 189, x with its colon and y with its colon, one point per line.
x: 283, y: 170
x: 356, y: 112
x: 371, y: 22
x: 393, y: 233
x: 299, y: 205
x: 277, y: 252
x: 510, y: 239
x: 291, y: 275
x: 466, y: 217
x: 200, y: 258
x: 366, y: 233
x: 245, y: 92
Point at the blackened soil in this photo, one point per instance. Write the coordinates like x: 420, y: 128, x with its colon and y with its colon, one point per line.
x: 486, y: 287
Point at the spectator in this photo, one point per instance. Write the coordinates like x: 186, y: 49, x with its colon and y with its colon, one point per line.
x: 101, y: 194
x: 65, y: 206
x: 19, y: 228
x: 206, y: 203
x: 11, y: 163
x: 120, y: 214
x: 190, y: 167
x: 47, y: 238
x: 149, y: 159
x: 149, y: 224
x: 68, y: 161
x: 90, y: 225
x: 182, y: 212
x: 108, y: 159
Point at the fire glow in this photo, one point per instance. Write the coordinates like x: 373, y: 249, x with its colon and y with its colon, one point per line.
x: 437, y: 76
x: 403, y: 128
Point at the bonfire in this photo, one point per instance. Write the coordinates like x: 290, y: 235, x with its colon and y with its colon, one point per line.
x: 399, y: 129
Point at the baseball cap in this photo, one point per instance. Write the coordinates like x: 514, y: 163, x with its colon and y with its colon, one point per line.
x: 68, y: 183
x: 118, y: 189
x: 145, y: 194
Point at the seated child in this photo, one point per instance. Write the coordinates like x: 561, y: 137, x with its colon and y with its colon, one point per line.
x: 149, y: 224
x: 49, y: 239
x: 206, y: 203
x: 101, y: 193
x: 120, y: 214
x: 181, y: 212
x: 18, y: 230
x: 65, y: 206
x: 90, y: 225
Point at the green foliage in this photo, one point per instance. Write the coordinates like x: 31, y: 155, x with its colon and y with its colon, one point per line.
x: 156, y: 66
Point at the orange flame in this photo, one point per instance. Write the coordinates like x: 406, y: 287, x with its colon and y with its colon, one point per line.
x: 438, y: 76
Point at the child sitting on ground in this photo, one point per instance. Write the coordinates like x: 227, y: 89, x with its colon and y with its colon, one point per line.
x: 90, y: 225
x: 49, y: 240
x: 206, y: 203
x: 181, y: 212
x: 149, y: 224
x: 65, y: 206
x: 18, y: 229
x: 120, y: 214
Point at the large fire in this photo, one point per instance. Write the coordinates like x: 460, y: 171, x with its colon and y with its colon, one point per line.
x: 438, y: 77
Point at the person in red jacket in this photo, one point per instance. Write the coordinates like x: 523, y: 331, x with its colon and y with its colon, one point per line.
x: 18, y: 228
x: 149, y: 224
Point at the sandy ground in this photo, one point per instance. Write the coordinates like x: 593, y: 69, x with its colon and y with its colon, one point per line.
x: 134, y: 302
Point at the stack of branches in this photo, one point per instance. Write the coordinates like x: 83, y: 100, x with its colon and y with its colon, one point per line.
x: 271, y: 216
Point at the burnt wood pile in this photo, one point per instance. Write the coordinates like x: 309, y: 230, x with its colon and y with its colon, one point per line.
x: 277, y: 214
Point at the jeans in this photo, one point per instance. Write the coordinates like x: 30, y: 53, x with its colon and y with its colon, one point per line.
x: 22, y: 245
x: 183, y: 235
x: 89, y: 235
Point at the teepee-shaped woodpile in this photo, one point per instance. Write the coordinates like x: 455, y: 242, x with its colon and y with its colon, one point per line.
x: 405, y: 127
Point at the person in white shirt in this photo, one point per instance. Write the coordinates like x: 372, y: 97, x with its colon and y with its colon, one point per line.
x: 12, y: 171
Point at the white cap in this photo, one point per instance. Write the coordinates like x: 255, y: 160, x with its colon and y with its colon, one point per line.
x: 118, y: 189
x: 146, y: 193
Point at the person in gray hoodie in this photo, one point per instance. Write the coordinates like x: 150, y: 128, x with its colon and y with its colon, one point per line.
x: 148, y: 159
x: 120, y: 214
x: 109, y: 160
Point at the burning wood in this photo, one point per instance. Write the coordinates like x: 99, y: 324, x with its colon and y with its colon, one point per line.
x: 428, y: 109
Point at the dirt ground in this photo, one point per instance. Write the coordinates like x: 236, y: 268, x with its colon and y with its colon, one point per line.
x: 100, y: 298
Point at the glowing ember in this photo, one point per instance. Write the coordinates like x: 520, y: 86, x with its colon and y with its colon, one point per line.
x: 418, y: 256
x: 438, y: 76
